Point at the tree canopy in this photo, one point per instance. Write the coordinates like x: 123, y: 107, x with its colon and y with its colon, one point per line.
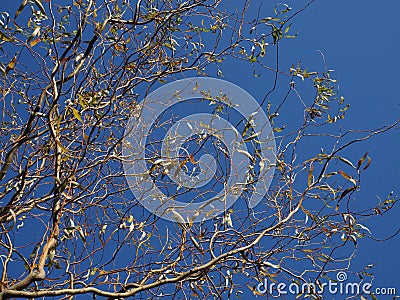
x: 73, y: 76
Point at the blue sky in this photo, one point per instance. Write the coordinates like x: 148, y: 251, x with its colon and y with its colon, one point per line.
x: 360, y: 42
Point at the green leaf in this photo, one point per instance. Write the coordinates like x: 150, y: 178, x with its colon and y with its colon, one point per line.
x: 276, y: 34
x: 268, y: 19
x: 76, y: 114
x: 252, y: 59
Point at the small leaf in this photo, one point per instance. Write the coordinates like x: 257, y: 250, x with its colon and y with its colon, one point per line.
x: 365, y: 228
x: 346, y: 161
x: 40, y: 6
x: 252, y: 137
x: 5, y: 38
x: 11, y: 64
x: 169, y: 46
x: 362, y: 159
x: 21, y: 8
x: 348, y: 177
x: 310, y: 175
x: 252, y: 59
x: 34, y: 42
x: 368, y: 163
x: 82, y: 101
x: 36, y: 31
x: 191, y: 158
x: 279, y: 129
x: 346, y: 191
x: 330, y: 174
x: 76, y: 114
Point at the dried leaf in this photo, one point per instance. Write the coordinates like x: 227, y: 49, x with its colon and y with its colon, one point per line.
x: 34, y: 42
x: 348, y: 177
x: 346, y: 191
x: 362, y: 159
x: 346, y: 161
x: 191, y: 158
x: 21, y: 8
x: 11, y: 64
x: 368, y: 163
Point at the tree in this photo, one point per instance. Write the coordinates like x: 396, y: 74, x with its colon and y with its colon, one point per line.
x: 73, y: 76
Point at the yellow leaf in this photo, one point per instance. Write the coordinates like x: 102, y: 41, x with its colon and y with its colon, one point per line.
x: 4, y: 37
x: 11, y: 64
x: 34, y: 42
